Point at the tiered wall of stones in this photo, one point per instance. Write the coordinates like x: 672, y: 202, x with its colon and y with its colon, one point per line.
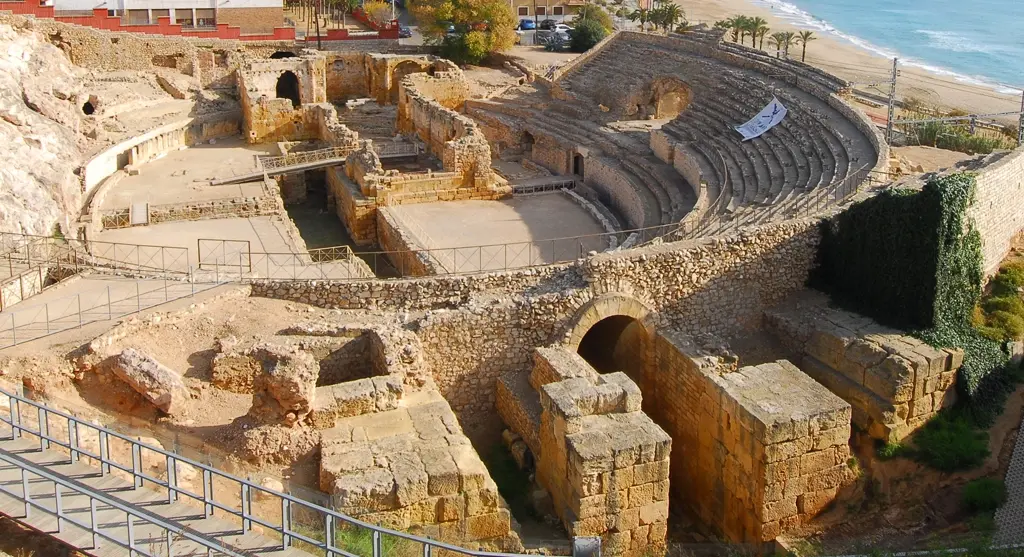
x: 998, y: 210
x: 762, y: 448
x: 894, y: 382
x: 603, y: 461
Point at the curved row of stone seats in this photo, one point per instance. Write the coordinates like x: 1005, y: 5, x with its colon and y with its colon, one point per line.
x: 675, y: 196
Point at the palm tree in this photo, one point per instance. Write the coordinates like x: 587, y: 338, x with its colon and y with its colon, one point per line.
x: 642, y: 15
x: 761, y: 32
x: 789, y: 39
x: 803, y: 38
x: 753, y: 25
x: 776, y: 41
x: 739, y: 28
x: 667, y: 15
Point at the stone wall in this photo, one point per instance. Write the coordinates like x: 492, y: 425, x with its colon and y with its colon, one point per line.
x: 762, y: 449
x: 998, y: 210
x: 268, y: 204
x: 403, y: 252
x: 716, y: 285
x: 346, y: 76
x: 894, y: 382
x: 604, y: 462
x: 615, y: 191
x: 158, y: 141
x: 252, y: 20
x: 356, y: 211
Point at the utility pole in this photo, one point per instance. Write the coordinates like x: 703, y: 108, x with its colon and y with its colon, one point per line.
x: 892, y: 99
x: 1020, y: 122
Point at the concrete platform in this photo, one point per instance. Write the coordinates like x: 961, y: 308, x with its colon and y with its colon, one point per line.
x: 535, y: 219
x: 264, y: 234
x: 157, y: 183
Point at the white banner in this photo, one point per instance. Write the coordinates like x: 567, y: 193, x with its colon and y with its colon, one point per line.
x: 764, y: 121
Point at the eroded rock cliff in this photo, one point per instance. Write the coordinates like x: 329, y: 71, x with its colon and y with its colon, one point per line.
x: 39, y: 122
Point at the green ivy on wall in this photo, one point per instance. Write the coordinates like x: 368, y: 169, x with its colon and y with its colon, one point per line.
x: 912, y: 260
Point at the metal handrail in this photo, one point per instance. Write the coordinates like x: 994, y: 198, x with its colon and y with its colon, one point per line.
x: 131, y: 511
x: 304, y: 157
x: 331, y: 518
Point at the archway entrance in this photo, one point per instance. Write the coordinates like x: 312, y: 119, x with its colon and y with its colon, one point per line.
x: 577, y: 165
x: 401, y: 70
x: 288, y: 88
x: 617, y: 343
x: 527, y: 143
x: 670, y: 105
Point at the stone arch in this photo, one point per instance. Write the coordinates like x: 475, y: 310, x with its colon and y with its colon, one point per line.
x: 401, y: 70
x: 526, y: 142
x: 288, y: 88
x: 603, y: 307
x: 668, y: 97
x: 578, y: 165
x: 614, y: 332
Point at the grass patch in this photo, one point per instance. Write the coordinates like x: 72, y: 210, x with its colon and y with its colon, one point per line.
x: 950, y: 443
x: 889, y: 451
x: 984, y: 495
x: 358, y: 541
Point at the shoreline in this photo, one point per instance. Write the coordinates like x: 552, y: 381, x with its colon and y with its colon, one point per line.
x: 860, y: 65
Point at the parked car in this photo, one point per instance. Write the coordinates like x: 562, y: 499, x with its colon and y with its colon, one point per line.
x: 527, y: 25
x: 404, y: 31
x: 548, y: 24
x: 562, y: 28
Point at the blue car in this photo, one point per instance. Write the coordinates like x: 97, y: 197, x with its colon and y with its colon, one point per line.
x: 404, y: 31
x: 527, y: 25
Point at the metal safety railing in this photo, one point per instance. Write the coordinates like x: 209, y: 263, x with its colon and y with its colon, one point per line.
x: 304, y: 157
x: 22, y: 324
x: 547, y: 187
x: 298, y: 524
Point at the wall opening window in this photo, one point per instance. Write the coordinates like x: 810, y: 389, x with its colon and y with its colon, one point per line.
x: 558, y: 10
x: 542, y: 10
x: 524, y: 10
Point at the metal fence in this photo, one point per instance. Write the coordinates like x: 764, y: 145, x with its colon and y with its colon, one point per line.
x: 389, y: 149
x: 101, y: 304
x: 303, y: 157
x: 299, y: 523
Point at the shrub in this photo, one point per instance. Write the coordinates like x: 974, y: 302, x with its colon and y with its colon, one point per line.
x: 890, y: 451
x: 1003, y: 285
x: 950, y: 443
x: 1011, y: 326
x: 592, y: 12
x: 377, y: 12
x: 984, y: 495
x: 465, y: 48
x: 1009, y: 304
x: 585, y: 35
x: 1014, y: 273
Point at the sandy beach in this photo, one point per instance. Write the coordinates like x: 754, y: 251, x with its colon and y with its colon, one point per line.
x: 853, y: 63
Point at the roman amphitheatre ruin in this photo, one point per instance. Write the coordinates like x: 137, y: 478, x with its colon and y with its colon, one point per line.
x: 358, y: 276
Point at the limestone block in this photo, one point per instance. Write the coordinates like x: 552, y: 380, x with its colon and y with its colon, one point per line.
x: 442, y: 471
x: 158, y: 383
x: 893, y: 379
x: 654, y: 512
x: 641, y: 495
x: 373, y: 490
x: 285, y: 389
x: 811, y: 503
x: 625, y: 520
x: 816, y: 461
x: 777, y: 510
x: 472, y: 472
x: 481, y: 501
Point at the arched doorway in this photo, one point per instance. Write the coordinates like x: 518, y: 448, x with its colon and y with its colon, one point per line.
x: 282, y: 54
x: 288, y: 88
x: 617, y: 343
x: 527, y: 143
x: 401, y: 70
x: 577, y: 165
x: 670, y: 105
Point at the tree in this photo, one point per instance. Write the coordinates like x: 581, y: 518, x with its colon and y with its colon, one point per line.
x: 642, y: 15
x: 666, y: 15
x: 379, y: 13
x: 775, y: 41
x: 596, y: 13
x: 586, y: 34
x: 481, y: 27
x: 346, y: 7
x: 738, y: 26
x: 788, y: 39
x: 753, y: 27
x: 804, y: 37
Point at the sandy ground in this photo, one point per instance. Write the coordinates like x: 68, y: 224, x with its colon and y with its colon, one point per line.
x: 931, y: 159
x: 855, y: 64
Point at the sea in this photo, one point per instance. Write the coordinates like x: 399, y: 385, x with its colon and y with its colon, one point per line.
x: 980, y: 42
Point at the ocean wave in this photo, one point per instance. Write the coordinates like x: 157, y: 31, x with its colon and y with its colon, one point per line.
x: 801, y: 18
x: 955, y: 42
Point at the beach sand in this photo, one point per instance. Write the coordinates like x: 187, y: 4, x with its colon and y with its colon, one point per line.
x: 852, y: 63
